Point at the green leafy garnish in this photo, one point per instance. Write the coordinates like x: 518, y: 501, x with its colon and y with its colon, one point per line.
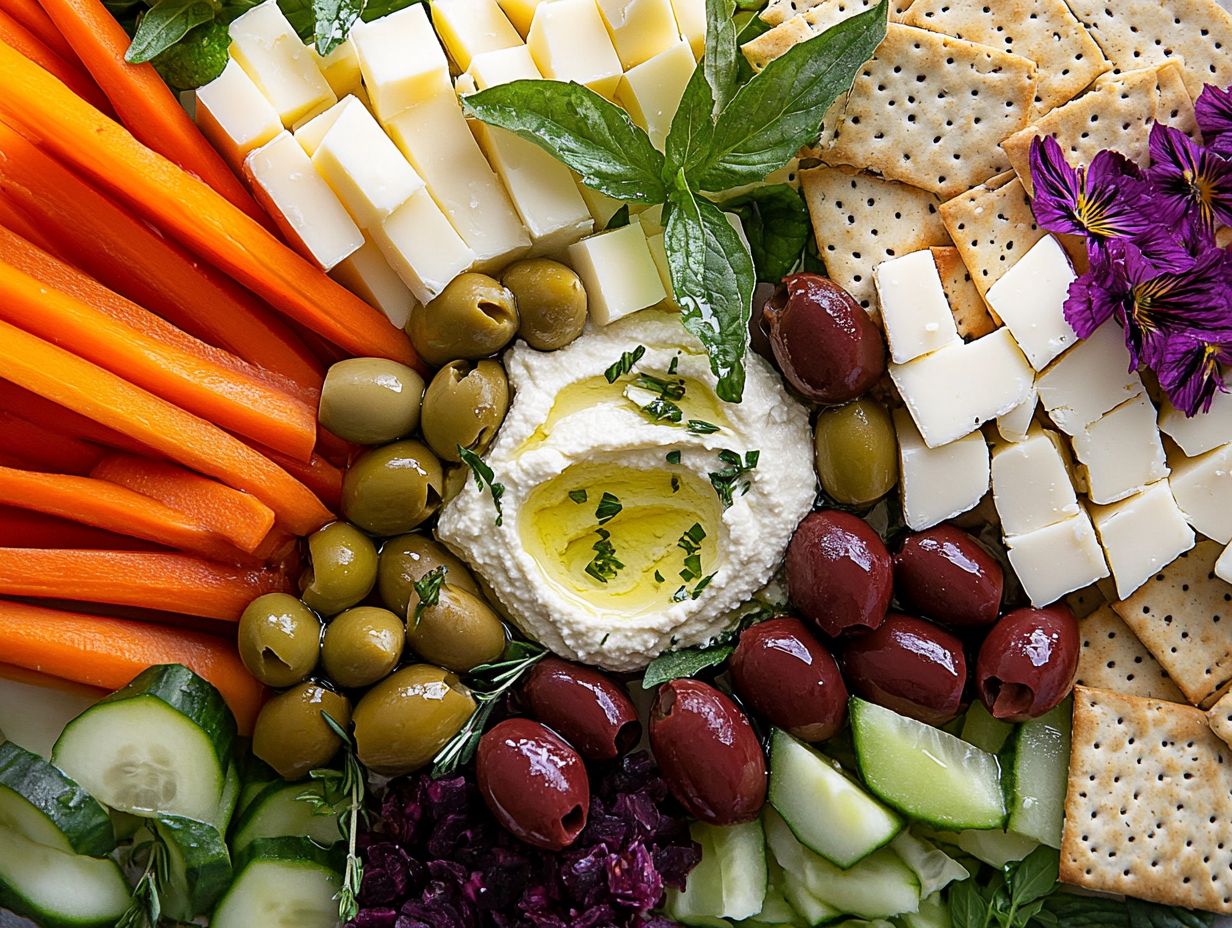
x: 578, y: 496
x: 342, y: 795
x: 1014, y: 898
x: 659, y: 578
x: 197, y: 58
x: 675, y: 484
x: 1067, y: 910
x: 154, y: 859
x: 484, y: 478
x: 604, y: 566
x: 734, y: 476
x: 658, y: 409
x: 619, y: 219
x: 776, y: 223
x: 673, y: 457
x: 690, y: 542
x: 164, y: 25
x: 609, y: 508
x: 721, y: 60
x: 625, y: 364
x: 428, y: 590
x: 668, y: 389
x: 675, y: 365
x: 688, y: 662
x: 332, y: 22
x: 702, y: 427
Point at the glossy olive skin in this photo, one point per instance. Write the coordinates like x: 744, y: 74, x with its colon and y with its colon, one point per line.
x: 1028, y: 662
x: 825, y: 343
x: 551, y: 302
x: 790, y: 678
x: 465, y: 405
x: 392, y: 490
x: 342, y: 568
x: 908, y: 665
x: 279, y: 639
x: 290, y: 734
x: 403, y: 721
x: 535, y: 784
x: 371, y: 401
x: 406, y: 559
x: 362, y: 645
x: 839, y: 573
x: 946, y: 575
x: 460, y: 632
x: 592, y: 711
x: 707, y: 752
x: 759, y: 339
x: 474, y: 317
x: 857, y: 452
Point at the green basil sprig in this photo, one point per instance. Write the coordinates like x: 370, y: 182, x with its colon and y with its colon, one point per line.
x: 164, y: 25
x: 776, y: 223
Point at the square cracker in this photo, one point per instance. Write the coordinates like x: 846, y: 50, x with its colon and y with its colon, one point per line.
x: 971, y: 314
x: 1220, y: 719
x: 1184, y: 617
x: 992, y: 227
x: 1148, y: 812
x: 780, y: 11
x: 1114, y: 659
x: 860, y: 220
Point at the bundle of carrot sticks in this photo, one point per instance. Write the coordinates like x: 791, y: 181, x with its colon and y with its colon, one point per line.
x: 161, y: 357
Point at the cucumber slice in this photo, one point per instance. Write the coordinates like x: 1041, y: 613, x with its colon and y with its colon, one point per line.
x: 34, y: 708
x: 229, y: 800
x: 59, y: 890
x: 1037, y: 765
x: 160, y: 745
x: 811, y: 910
x: 925, y: 773
x: 741, y: 850
x: 40, y: 803
x: 776, y: 910
x: 934, y: 913
x: 879, y: 886
x: 934, y: 868
x: 701, y: 901
x: 995, y: 848
x: 282, y: 883
x: 985, y: 732
x: 827, y: 811
x: 279, y: 812
x: 200, y: 866
x: 788, y: 854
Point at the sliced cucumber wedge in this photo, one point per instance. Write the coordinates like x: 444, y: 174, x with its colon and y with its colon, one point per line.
x: 934, y: 868
x: 57, y: 889
x: 39, y: 803
x: 34, y: 708
x: 200, y: 870
x: 776, y: 910
x: 701, y: 901
x: 985, y: 732
x: 925, y: 773
x: 934, y: 913
x: 879, y: 886
x: 1037, y: 774
x: 995, y: 848
x: 281, y: 883
x: 279, y: 812
x: 789, y: 856
x: 827, y: 811
x: 730, y: 882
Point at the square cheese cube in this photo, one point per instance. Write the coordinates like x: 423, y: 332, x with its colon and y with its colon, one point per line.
x: 691, y: 18
x: 503, y: 66
x: 1223, y: 566
x: 618, y: 271
x: 1054, y: 561
x: 311, y: 133
x: 368, y: 275
x: 602, y: 207
x: 651, y: 91
x: 1015, y: 425
x: 1202, y: 487
x: 914, y: 308
x: 939, y: 483
x: 283, y: 67
x: 521, y: 13
x: 469, y: 27
x: 340, y: 68
x: 640, y: 29
x: 234, y: 115
x: 401, y: 60
x: 464, y: 85
x: 1141, y: 535
x: 570, y: 43
x: 1089, y: 380
x: 1031, y: 484
x: 422, y: 247
x: 1121, y: 451
x: 1030, y: 299
x: 952, y: 392
x: 658, y: 251
x: 1201, y: 433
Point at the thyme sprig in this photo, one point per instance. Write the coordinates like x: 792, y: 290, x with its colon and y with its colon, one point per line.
x: 145, y: 908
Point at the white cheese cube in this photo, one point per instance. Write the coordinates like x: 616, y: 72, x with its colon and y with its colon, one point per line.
x: 651, y: 91
x: 570, y: 43
x: 422, y: 247
x: 368, y: 275
x: 914, y: 308
x: 401, y: 60
x: 340, y: 68
x: 301, y: 203
x: 691, y: 18
x: 1201, y: 433
x: 470, y: 27
x: 311, y: 133
x: 1031, y: 485
x: 602, y: 207
x: 464, y: 85
x: 269, y: 51
x: 1054, y: 561
x: 658, y: 251
x: 521, y: 13
x: 1015, y: 425
x: 503, y: 66
x: 1121, y: 452
x: 1089, y: 380
x: 952, y: 392
x: 1142, y: 534
x: 1030, y: 299
x: 939, y: 483
x: 235, y: 115
x: 1203, y: 489
x: 618, y: 271
x: 1223, y: 566
x: 640, y: 29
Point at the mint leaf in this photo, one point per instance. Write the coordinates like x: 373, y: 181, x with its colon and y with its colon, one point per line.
x: 721, y: 63
x: 1034, y: 878
x: 164, y: 25
x: 686, y: 663
x: 333, y: 20
x: 776, y: 223
x: 688, y: 139
x: 1150, y: 915
x: 593, y: 136
x: 968, y: 908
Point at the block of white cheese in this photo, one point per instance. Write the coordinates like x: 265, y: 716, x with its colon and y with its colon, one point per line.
x: 1141, y: 535
x: 470, y: 27
x: 658, y: 251
x: 1204, y: 432
x: 691, y: 18
x: 301, y: 203
x: 952, y: 392
x: 602, y: 207
x: 368, y: 275
x: 1031, y: 484
x: 401, y: 60
x: 283, y: 67
x: 618, y: 271
x: 520, y: 13
x: 1089, y: 380
x: 1203, y: 489
x: 570, y: 43
x: 1223, y: 566
x: 503, y: 66
x: 1121, y: 452
x: 235, y: 115
x: 464, y: 85
x: 1015, y: 425
x: 640, y: 29
x: 914, y: 308
x: 340, y: 68
x: 939, y: 483
x: 1054, y: 561
x: 422, y: 246
x: 311, y: 133
x: 1030, y: 299
x: 651, y: 91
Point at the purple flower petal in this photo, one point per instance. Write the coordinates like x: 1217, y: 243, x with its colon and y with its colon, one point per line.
x: 1106, y: 200
x: 1214, y: 111
x: 1187, y: 178
x: 1090, y: 303
x: 1190, y: 372
x: 1057, y: 188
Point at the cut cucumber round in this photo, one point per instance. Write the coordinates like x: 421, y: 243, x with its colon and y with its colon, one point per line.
x: 995, y: 848
x: 789, y: 855
x: 776, y: 910
x: 925, y: 773
x: 827, y: 811
x: 879, y: 886
x: 934, y: 868
x: 1037, y: 774
x: 200, y: 866
x: 59, y: 890
x: 40, y: 803
x: 281, y: 883
x: 982, y: 730
x: 934, y: 913
x: 741, y: 850
x: 279, y: 812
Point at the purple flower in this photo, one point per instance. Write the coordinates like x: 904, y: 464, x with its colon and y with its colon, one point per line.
x: 1191, y: 183
x: 1190, y: 372
x: 1214, y: 111
x: 1104, y: 201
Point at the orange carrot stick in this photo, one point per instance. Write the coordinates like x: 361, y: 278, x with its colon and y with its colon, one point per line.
x: 31, y: 15
x: 26, y: 43
x: 108, y: 653
x: 13, y: 220
x: 317, y: 474
x: 35, y: 530
x: 63, y: 422
x: 36, y: 446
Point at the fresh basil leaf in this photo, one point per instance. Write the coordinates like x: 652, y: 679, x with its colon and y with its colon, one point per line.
x: 748, y: 31
x: 375, y: 9
x: 299, y: 14
x: 1150, y: 915
x: 968, y: 909
x: 776, y: 223
x: 619, y: 219
x: 164, y: 25
x: 197, y: 58
x: 593, y: 136
x: 333, y: 20
x: 1074, y: 911
x: 688, y: 139
x: 1034, y: 877
x: 686, y: 663
x: 720, y: 63
x: 781, y: 109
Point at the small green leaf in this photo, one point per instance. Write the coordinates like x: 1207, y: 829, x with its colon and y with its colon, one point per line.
x: 673, y: 457
x: 609, y: 508
x: 688, y: 139
x: 164, y: 25
x: 1034, y: 877
x: 702, y: 427
x: 333, y: 20
x: 776, y: 223
x: 619, y: 219
x: 686, y: 663
x: 428, y: 590
x: 484, y: 478
x: 578, y: 496
x: 721, y: 60
x: 968, y: 909
x: 624, y: 364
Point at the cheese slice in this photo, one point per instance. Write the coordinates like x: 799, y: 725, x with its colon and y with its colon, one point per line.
x: 651, y: 91
x: 602, y: 207
x: 340, y: 68
x: 939, y: 483
x: 914, y: 307
x: 1141, y: 535
x: 1015, y: 425
x: 470, y: 27
x: 1203, y: 489
x: 368, y: 275
x: 521, y: 13
x: 1031, y: 485
x: 1223, y: 566
x: 267, y: 48
x: 234, y: 115
x: 618, y: 271
x: 1055, y: 561
x: 1201, y: 433
x: 691, y: 18
x: 1121, y: 452
x: 422, y: 247
x: 658, y: 251
x: 311, y: 133
x: 640, y: 29
x: 1030, y: 299
x: 401, y: 60
x: 503, y: 66
x: 1089, y: 380
x: 570, y: 43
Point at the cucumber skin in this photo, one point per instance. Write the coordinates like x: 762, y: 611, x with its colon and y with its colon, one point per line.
x: 207, y: 862
x: 291, y: 850
x: 256, y: 805
x: 79, y: 816
x: 11, y: 900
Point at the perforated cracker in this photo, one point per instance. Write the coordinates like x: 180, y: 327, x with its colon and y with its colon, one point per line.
x: 971, y: 314
x: 780, y: 11
x: 1220, y: 719
x: 992, y: 227
x: 1114, y: 659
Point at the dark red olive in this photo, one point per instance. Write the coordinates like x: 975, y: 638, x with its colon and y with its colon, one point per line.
x: 534, y: 783
x: 707, y: 752
x: 839, y: 572
x: 789, y: 677
x: 589, y: 710
x: 910, y: 666
x: 1028, y: 662
x: 945, y: 574
x: 759, y: 340
x: 825, y: 344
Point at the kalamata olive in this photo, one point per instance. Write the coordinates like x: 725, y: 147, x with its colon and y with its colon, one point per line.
x: 590, y: 710
x: 789, y: 677
x: 825, y: 344
x: 534, y: 783
x: 759, y: 341
x: 839, y: 572
x: 1028, y: 662
x: 708, y: 752
x: 945, y: 574
x: 908, y: 665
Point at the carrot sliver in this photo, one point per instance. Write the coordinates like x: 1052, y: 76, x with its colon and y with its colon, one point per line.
x: 320, y: 476
x: 31, y: 15
x: 35, y: 530
x: 64, y: 422
x: 27, y: 44
x: 13, y: 220
x: 36, y: 446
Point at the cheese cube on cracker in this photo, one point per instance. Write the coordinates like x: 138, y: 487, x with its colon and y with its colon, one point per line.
x: 1196, y: 435
x: 1142, y: 534
x: 939, y: 483
x: 1059, y: 559
x: 1203, y: 489
x: 914, y: 307
x: 1088, y: 381
x: 1121, y: 452
x: 1031, y: 484
x: 1030, y: 299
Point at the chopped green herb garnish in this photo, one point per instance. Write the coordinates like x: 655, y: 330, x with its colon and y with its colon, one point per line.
x: 675, y: 484
x: 625, y: 364
x: 668, y: 389
x: 673, y: 457
x: 484, y: 478
x: 604, y: 566
x: 734, y: 476
x: 604, y: 639
x: 578, y: 496
x: 675, y: 365
x: 702, y: 584
x: 692, y: 567
x: 609, y: 508
x: 661, y: 410
x: 702, y: 427
x: 659, y: 578
x: 680, y: 595
x: 428, y: 589
x: 692, y: 538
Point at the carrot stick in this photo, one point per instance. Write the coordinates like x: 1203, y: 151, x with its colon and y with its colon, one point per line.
x: 63, y: 422
x: 31, y: 15
x: 97, y: 394
x: 36, y: 446
x: 26, y: 43
x: 13, y: 220
x: 188, y: 209
x: 278, y: 545
x: 108, y: 653
x: 35, y: 530
x: 317, y: 474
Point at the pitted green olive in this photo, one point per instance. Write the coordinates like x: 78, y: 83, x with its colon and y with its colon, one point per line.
x: 857, y: 452
x: 474, y: 317
x: 551, y: 302
x: 465, y: 405
x: 279, y: 639
x: 371, y: 401
x: 290, y: 734
x: 403, y: 721
x: 342, y: 568
x: 455, y: 480
x: 391, y: 490
x: 362, y: 646
x: 406, y: 559
x: 459, y: 632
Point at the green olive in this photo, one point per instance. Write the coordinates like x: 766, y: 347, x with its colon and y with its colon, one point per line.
x: 290, y: 734
x: 474, y: 317
x: 459, y: 632
x: 371, y: 401
x: 464, y: 405
x: 455, y: 481
x: 342, y: 569
x: 551, y: 302
x: 391, y: 490
x: 406, y: 559
x: 405, y: 719
x: 362, y: 645
x: 857, y: 452
x: 279, y: 639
